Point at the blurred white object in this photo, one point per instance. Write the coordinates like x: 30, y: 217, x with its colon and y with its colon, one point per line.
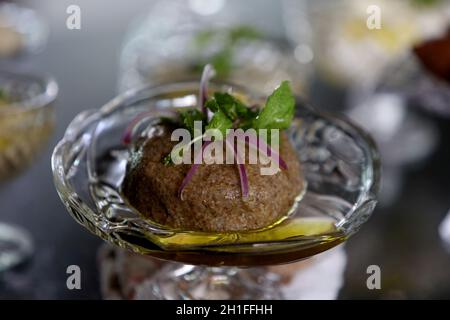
x: 206, y: 7
x: 125, y: 275
x: 22, y: 31
x: 382, y: 114
x: 321, y: 280
x: 402, y: 137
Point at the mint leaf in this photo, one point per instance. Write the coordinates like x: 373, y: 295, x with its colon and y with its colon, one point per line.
x: 231, y: 106
x: 212, y: 105
x: 221, y: 122
x: 188, y: 118
x: 278, y: 111
x: 227, y: 104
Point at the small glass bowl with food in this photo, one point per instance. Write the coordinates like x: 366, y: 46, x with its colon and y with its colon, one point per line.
x: 216, y: 177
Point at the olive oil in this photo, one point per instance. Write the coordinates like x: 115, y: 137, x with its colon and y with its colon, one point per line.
x: 290, y: 229
x: 286, y: 241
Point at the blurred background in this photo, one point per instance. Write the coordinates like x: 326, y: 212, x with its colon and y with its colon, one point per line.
x: 385, y: 64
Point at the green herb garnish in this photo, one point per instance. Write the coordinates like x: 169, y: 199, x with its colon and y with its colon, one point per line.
x: 228, y: 112
x: 220, y: 121
x: 188, y: 118
x: 278, y: 111
x: 232, y: 107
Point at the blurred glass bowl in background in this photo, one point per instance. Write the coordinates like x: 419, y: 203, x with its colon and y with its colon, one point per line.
x: 22, y: 31
x: 346, y: 51
x: 26, y: 119
x: 26, y: 122
x: 173, y: 41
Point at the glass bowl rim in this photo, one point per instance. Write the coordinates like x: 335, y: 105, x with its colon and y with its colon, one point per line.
x: 46, y: 96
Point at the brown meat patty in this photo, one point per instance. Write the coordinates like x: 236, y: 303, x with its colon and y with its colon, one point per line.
x: 212, y: 201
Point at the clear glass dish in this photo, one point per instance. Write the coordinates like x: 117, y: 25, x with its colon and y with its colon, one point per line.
x: 26, y: 119
x: 26, y: 123
x: 340, y: 163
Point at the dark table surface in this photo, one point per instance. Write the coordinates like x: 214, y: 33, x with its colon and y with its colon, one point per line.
x: 401, y: 238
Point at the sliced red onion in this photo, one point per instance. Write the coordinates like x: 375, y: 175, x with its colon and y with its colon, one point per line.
x: 264, y: 147
x: 207, y: 74
x: 129, y: 130
x: 192, y: 170
x: 241, y: 167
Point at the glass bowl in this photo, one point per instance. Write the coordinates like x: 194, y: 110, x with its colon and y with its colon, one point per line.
x: 340, y: 163
x: 26, y: 123
x: 172, y: 42
x: 26, y: 119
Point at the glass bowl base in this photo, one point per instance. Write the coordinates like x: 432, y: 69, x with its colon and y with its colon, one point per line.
x: 127, y: 275
x: 188, y: 282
